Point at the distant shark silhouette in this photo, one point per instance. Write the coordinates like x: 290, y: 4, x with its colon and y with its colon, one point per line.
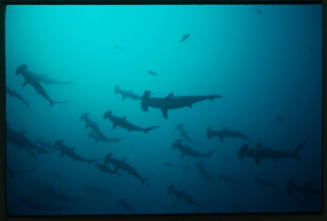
x: 181, y: 195
x: 69, y: 152
x: 125, y: 206
x: 29, y: 79
x: 152, y: 73
x: 22, y: 142
x: 172, y: 102
x: 96, y: 133
x: 126, y: 94
x: 261, y: 153
x: 123, y: 165
x: 225, y: 132
x: 17, y: 95
x: 123, y: 123
x: 185, y: 37
x: 183, y: 133
x: 186, y: 150
x: 203, y: 173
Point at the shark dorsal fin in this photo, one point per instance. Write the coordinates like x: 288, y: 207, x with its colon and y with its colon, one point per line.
x: 259, y: 145
x: 170, y: 95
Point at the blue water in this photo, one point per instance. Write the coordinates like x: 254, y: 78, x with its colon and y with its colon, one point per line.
x: 264, y: 60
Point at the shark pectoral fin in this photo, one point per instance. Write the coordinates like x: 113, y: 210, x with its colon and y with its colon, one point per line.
x: 164, y: 112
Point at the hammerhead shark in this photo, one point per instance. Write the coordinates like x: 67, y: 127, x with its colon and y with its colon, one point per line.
x: 17, y: 95
x: 183, y: 133
x: 96, y: 133
x: 171, y: 102
x: 42, y: 78
x: 186, y: 36
x: 29, y: 79
x: 181, y: 195
x: 186, y: 150
x: 204, y: 173
x: 70, y: 152
x: 225, y: 132
x: 105, y: 169
x: 260, y: 153
x: 126, y: 94
x: 123, y: 165
x: 123, y: 123
x: 305, y: 189
x: 21, y: 141
x: 125, y: 206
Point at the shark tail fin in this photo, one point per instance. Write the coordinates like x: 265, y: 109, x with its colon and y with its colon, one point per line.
x: 145, y: 100
x: 297, y: 150
x: 146, y: 130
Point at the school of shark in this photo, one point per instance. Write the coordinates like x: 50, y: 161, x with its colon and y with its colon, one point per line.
x: 254, y: 153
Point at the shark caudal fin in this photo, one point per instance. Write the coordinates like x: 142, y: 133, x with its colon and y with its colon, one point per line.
x: 93, y: 160
x: 57, y: 102
x: 145, y: 100
x: 297, y: 150
x: 146, y: 130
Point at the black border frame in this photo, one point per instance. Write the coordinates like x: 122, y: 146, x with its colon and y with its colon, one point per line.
x: 242, y: 216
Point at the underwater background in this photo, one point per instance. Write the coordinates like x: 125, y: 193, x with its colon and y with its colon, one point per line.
x: 263, y: 60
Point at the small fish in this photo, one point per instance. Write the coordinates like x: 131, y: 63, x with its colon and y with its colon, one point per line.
x: 186, y: 36
x: 258, y: 11
x: 152, y: 73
